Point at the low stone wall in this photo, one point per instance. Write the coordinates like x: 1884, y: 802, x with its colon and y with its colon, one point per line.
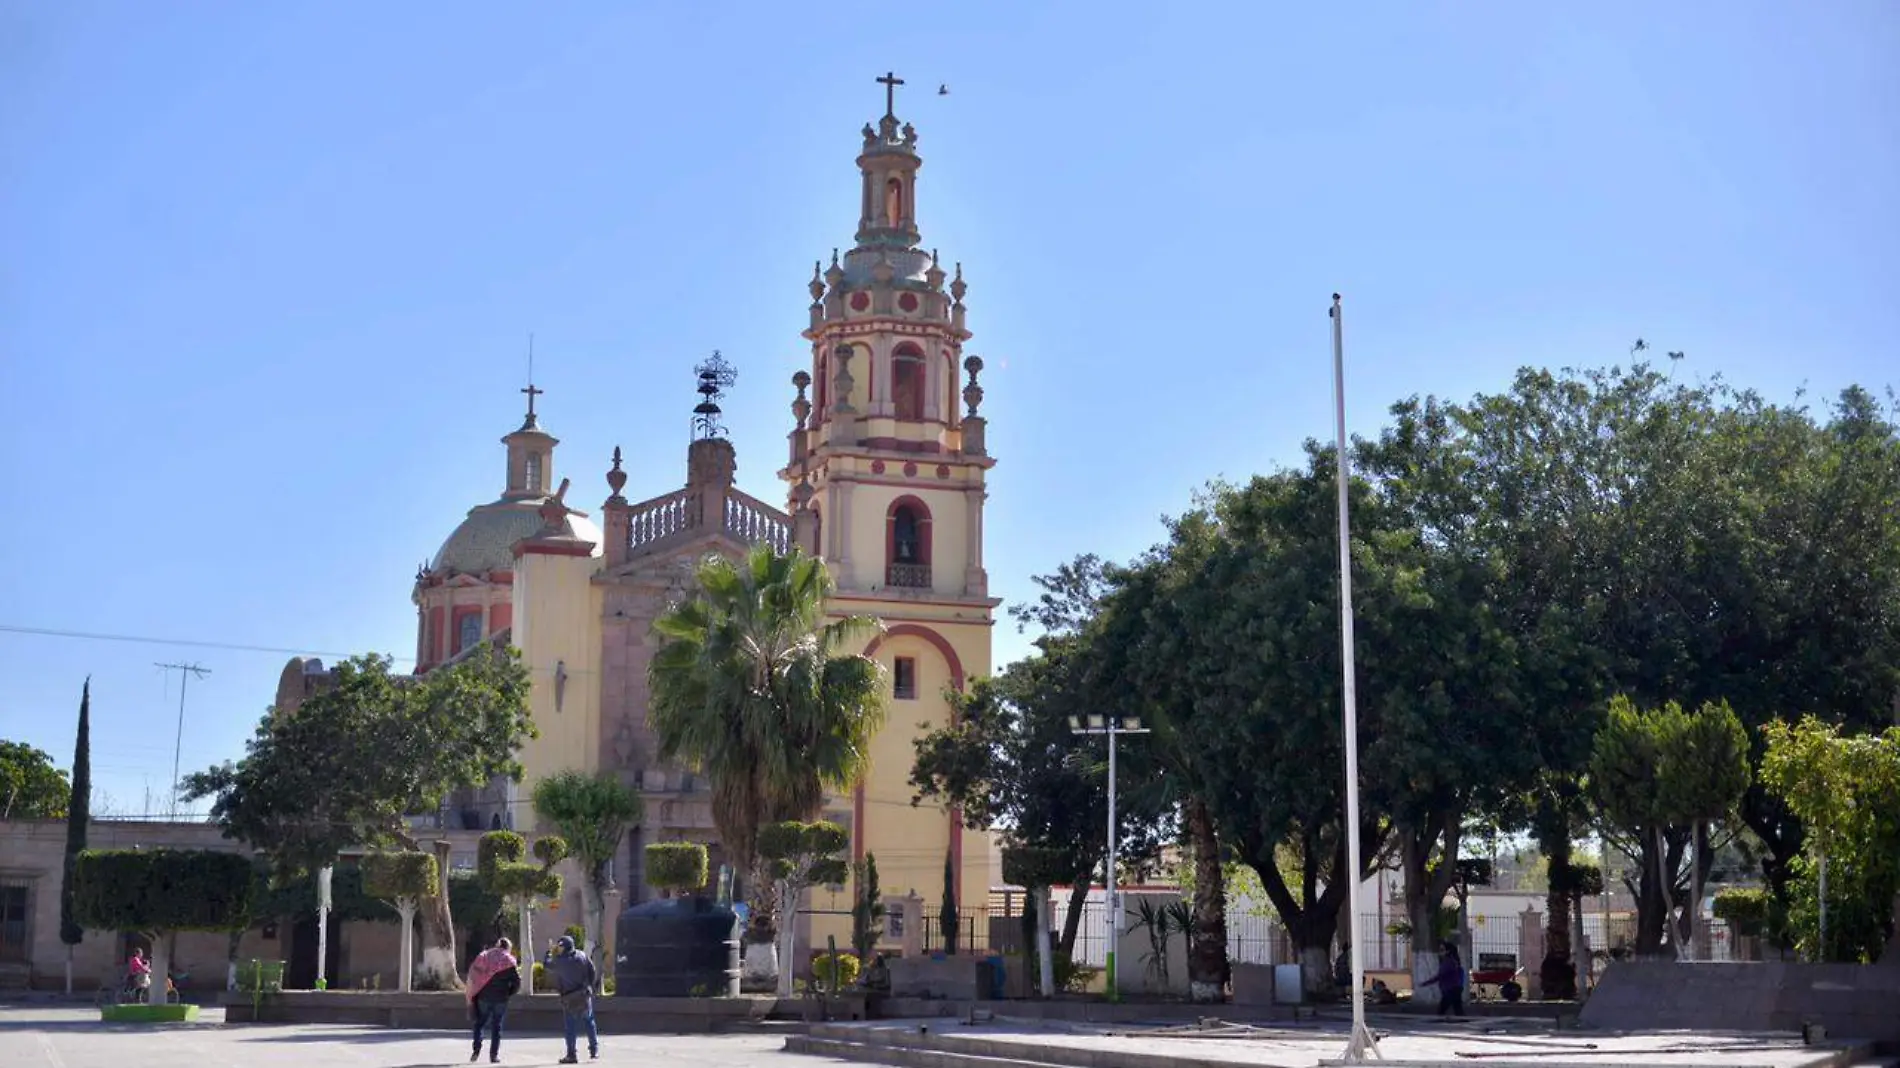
x: 1849, y: 1000
x: 538, y: 1013
x: 1080, y: 1010
x: 932, y: 977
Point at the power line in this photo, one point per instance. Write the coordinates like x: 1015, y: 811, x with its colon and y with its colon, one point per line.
x: 48, y: 632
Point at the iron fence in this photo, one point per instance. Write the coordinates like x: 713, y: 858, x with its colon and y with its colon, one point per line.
x: 1255, y: 936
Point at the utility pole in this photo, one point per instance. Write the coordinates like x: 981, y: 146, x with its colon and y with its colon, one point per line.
x: 185, y: 673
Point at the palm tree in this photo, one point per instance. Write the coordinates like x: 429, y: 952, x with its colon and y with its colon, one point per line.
x: 593, y: 814
x: 751, y: 687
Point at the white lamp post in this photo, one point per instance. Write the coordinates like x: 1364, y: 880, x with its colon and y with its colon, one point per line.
x: 1111, y: 726
x: 1361, y: 1043
x: 323, y: 923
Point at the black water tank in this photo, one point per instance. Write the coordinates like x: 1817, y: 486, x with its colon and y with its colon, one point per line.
x: 684, y: 947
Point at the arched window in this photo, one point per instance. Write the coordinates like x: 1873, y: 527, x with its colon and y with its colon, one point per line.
x: 907, y: 560
x: 468, y: 630
x: 907, y: 382
x: 533, y: 479
x: 906, y: 546
x: 894, y: 203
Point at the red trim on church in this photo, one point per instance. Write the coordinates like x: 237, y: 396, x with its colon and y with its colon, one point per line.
x: 921, y: 512
x: 555, y: 549
x: 930, y: 637
x: 955, y: 663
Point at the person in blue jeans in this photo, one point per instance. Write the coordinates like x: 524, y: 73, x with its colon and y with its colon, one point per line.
x: 574, y: 977
x: 493, y: 978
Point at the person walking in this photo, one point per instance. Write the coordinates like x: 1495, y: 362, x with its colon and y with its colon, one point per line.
x: 574, y: 976
x: 493, y: 978
x: 1450, y: 981
x: 138, y: 975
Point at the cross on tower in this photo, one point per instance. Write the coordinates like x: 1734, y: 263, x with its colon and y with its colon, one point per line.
x: 890, y: 82
x: 531, y: 391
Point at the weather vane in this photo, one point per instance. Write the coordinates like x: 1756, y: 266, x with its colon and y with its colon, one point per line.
x: 716, y: 376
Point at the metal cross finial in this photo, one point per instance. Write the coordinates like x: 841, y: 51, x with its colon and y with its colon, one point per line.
x: 531, y: 391
x: 890, y: 82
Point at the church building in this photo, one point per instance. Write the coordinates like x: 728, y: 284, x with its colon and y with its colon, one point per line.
x: 884, y: 478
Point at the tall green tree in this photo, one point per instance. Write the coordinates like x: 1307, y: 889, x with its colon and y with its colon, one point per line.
x: 1670, y: 540
x: 350, y: 765
x: 1133, y: 653
x: 1842, y: 787
x: 31, y: 787
x: 1259, y: 657
x: 1009, y: 760
x: 867, y: 908
x: 757, y: 688
x: 1657, y: 776
x: 78, y: 816
x: 593, y: 813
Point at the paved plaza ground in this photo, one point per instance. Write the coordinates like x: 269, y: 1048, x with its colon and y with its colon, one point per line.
x: 50, y: 1035
x: 59, y: 1036
x: 1404, y: 1040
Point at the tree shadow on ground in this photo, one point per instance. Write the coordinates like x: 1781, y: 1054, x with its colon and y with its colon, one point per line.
x: 371, y: 1036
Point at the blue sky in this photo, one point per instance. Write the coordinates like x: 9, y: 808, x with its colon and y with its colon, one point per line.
x: 267, y: 271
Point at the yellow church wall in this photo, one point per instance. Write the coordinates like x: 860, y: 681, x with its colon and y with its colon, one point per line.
x: 556, y: 616
x: 910, y: 842
x: 949, y: 532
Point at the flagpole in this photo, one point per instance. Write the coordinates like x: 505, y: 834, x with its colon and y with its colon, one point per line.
x: 1361, y: 1042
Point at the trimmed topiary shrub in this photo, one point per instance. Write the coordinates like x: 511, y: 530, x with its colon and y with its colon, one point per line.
x: 1033, y: 867
x: 394, y: 876
x: 499, y: 866
x: 673, y: 867
x: 160, y: 892
x: 403, y: 880
x: 1745, y: 911
x: 844, y: 976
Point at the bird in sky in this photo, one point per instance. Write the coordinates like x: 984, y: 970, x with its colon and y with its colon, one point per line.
x: 943, y: 90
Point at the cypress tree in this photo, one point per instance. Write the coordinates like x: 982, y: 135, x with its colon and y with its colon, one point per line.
x: 947, y: 919
x: 78, y: 814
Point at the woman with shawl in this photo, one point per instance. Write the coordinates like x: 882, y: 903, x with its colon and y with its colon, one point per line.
x: 492, y: 980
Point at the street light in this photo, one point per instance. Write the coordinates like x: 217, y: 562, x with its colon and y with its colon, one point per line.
x: 1112, y: 726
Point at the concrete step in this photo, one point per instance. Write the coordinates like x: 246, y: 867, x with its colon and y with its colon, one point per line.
x: 954, y: 1048
x: 901, y: 1056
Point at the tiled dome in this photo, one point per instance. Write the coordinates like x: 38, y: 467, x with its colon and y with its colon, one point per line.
x: 485, y: 540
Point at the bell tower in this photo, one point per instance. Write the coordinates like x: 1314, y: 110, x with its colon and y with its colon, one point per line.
x: 887, y: 477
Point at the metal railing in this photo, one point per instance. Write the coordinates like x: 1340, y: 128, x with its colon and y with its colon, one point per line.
x: 979, y: 931
x: 907, y: 576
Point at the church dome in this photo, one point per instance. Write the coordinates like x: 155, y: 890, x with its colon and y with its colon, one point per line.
x: 484, y: 541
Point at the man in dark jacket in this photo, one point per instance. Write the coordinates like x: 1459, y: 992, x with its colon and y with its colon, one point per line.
x: 574, y: 977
